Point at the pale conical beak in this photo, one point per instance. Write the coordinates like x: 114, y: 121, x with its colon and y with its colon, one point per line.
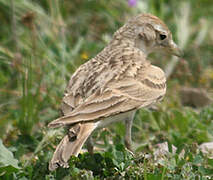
x: 175, y: 50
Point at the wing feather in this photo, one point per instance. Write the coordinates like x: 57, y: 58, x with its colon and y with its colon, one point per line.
x: 140, y: 85
x: 120, y: 97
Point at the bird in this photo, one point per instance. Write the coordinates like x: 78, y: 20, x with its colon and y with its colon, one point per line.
x: 113, y: 85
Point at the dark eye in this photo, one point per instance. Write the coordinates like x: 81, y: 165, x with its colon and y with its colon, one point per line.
x: 162, y: 36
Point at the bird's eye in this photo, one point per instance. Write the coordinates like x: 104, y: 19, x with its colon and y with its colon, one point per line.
x: 162, y: 36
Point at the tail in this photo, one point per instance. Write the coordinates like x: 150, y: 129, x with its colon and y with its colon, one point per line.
x: 71, y: 144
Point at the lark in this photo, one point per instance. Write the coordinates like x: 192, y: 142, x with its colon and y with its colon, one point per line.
x: 113, y: 85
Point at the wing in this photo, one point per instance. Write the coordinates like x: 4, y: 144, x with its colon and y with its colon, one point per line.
x: 95, y: 74
x: 138, y: 86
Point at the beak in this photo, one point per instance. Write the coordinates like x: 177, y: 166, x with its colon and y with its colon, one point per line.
x: 175, y: 50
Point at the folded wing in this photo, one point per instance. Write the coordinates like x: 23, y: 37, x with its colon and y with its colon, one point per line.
x: 139, y: 88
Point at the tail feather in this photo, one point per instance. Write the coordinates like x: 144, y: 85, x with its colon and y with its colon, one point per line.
x: 71, y: 144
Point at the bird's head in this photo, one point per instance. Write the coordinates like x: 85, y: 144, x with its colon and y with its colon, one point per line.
x: 150, y: 34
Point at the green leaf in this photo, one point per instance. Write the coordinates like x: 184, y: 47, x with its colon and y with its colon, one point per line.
x: 198, y: 160
x: 7, y: 162
x: 210, y: 162
x: 153, y: 176
x: 205, y: 171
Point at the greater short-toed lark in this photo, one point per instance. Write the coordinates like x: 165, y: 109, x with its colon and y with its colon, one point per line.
x: 114, y: 84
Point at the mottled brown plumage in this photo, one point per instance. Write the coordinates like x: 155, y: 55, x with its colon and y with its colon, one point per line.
x: 114, y: 84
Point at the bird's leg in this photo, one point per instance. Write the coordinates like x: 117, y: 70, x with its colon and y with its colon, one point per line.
x: 128, y: 135
x: 90, y: 144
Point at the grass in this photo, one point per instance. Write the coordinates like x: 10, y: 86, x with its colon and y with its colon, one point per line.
x: 44, y: 42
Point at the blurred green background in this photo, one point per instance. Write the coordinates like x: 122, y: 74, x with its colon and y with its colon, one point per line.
x: 42, y: 42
